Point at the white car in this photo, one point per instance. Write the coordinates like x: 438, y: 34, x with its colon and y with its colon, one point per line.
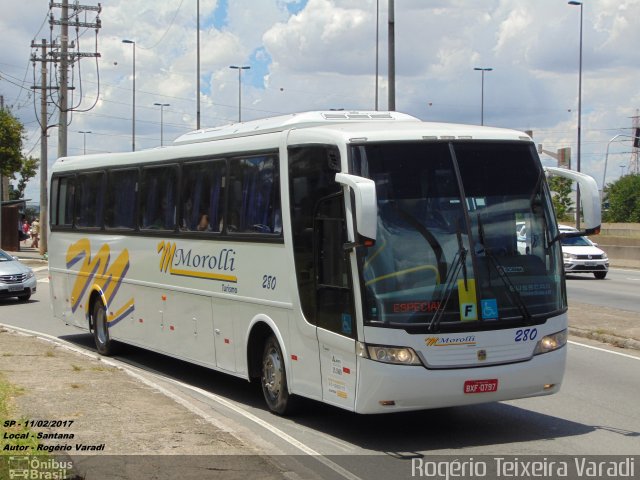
x: 521, y: 238
x: 581, y: 255
x: 16, y: 279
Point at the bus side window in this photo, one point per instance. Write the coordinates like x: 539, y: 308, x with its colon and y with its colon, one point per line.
x: 89, y: 200
x: 254, y: 195
x: 64, y: 208
x: 158, y: 198
x: 203, y: 186
x: 53, y: 202
x: 121, y: 199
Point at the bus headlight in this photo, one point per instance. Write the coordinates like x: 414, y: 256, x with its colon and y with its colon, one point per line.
x: 551, y: 342
x: 386, y: 354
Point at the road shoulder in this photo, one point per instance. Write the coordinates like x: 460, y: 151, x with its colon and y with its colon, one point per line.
x: 617, y: 327
x: 109, y: 412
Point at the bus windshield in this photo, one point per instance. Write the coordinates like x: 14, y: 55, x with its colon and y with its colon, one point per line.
x: 465, y: 236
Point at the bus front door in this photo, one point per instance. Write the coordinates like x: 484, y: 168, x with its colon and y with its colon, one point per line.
x: 336, y: 328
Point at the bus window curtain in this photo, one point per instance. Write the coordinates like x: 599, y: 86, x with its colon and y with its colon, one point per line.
x: 169, y: 217
x: 214, y: 202
x: 196, y: 199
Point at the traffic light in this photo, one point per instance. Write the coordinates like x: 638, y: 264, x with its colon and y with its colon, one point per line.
x: 564, y: 157
x: 636, y: 138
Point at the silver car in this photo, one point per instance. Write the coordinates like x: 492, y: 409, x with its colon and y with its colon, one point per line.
x: 16, y: 279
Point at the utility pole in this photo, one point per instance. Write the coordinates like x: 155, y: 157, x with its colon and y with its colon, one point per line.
x: 44, y: 197
x: 65, y: 58
x: 64, y: 81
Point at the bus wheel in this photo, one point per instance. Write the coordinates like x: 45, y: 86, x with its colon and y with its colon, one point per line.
x: 274, y: 378
x: 104, y: 344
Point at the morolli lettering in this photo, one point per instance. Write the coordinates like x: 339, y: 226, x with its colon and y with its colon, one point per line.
x: 218, y: 265
x: 223, y: 261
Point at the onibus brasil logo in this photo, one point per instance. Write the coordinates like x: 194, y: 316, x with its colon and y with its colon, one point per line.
x: 98, y: 274
x: 181, y: 262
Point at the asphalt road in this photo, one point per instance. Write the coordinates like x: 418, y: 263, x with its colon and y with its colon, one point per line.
x: 620, y: 289
x: 595, y: 413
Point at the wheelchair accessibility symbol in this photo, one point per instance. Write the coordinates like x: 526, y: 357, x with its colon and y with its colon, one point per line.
x: 489, y: 309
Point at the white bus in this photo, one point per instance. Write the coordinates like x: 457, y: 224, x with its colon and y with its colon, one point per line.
x: 368, y: 260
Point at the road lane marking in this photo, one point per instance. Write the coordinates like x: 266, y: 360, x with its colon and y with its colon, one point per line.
x: 40, y: 269
x: 131, y: 370
x: 603, y: 350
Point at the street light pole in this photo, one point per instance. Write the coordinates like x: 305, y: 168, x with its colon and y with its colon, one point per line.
x: 606, y: 157
x: 482, y: 70
x: 161, y: 105
x: 198, y: 65
x: 606, y: 160
x: 240, y: 68
x: 573, y: 2
x: 377, y: 48
x: 133, y: 121
x: 84, y: 134
x: 391, y: 48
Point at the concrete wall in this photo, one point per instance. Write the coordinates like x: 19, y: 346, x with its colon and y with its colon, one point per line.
x: 621, y: 241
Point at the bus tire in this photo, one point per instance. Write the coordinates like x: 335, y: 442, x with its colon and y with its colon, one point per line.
x: 103, y: 342
x: 273, y: 378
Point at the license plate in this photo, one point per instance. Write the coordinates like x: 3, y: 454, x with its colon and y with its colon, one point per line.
x: 481, y: 386
x: 16, y: 288
x: 590, y: 264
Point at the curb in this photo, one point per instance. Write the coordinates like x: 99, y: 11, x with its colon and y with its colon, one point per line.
x: 606, y: 337
x: 33, y: 262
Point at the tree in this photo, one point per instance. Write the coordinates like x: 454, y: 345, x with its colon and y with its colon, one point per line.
x: 11, y: 159
x: 562, y: 202
x: 11, y: 136
x: 27, y: 171
x: 624, y: 200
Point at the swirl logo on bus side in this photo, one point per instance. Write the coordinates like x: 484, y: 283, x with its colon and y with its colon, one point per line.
x: 96, y: 273
x: 186, y: 263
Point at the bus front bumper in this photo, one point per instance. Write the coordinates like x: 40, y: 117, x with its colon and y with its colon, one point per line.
x: 394, y: 388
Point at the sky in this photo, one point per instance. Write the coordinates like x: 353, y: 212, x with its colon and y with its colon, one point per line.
x: 321, y: 54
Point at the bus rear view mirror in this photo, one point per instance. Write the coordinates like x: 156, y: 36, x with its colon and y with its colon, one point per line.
x: 364, y: 191
x: 589, y: 195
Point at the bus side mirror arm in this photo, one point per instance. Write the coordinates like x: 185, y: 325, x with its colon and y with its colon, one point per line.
x: 366, y: 206
x: 589, y: 194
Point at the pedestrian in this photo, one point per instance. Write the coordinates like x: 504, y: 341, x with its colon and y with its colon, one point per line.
x: 25, y: 229
x: 35, y: 233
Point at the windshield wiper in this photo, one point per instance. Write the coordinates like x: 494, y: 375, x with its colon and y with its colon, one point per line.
x: 459, y: 263
x: 512, y: 292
